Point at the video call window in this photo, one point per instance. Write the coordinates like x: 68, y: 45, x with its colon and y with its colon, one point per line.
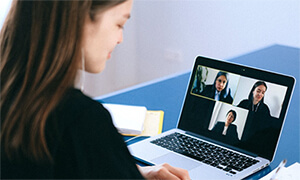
x: 221, y: 115
x: 215, y: 85
x: 243, y: 107
x: 238, y: 91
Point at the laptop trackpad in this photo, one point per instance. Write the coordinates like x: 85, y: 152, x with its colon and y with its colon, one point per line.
x: 177, y: 161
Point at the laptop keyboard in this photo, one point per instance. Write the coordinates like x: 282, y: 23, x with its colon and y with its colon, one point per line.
x: 207, y: 153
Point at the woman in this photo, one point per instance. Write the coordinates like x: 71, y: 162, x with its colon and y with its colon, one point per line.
x: 49, y: 129
x: 259, y: 113
x: 199, y: 80
x: 226, y: 131
x: 255, y: 101
x: 219, y: 90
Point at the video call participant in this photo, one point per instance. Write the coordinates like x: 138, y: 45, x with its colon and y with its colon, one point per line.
x: 226, y: 131
x: 219, y: 90
x: 260, y: 129
x: 49, y: 129
x: 259, y: 113
x: 199, y: 80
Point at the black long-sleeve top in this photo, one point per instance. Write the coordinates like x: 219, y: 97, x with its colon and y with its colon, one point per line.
x: 83, y: 143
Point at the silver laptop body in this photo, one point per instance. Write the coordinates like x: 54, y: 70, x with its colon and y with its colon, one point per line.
x: 253, y: 135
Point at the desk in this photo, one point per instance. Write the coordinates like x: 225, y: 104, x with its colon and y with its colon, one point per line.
x: 168, y: 94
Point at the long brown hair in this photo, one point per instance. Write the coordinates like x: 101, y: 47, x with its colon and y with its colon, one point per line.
x: 40, y: 49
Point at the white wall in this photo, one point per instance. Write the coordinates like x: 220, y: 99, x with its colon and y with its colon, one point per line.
x: 164, y: 36
x: 4, y: 7
x: 170, y: 34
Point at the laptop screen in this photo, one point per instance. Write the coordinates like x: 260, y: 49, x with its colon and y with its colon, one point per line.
x: 237, y: 106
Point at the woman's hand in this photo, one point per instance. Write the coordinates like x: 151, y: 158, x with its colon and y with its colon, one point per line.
x: 163, y: 171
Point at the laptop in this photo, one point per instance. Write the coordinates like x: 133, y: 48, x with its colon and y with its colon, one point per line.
x: 230, y: 122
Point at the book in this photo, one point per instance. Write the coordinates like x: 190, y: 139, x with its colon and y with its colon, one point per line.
x: 135, y: 120
x: 127, y: 119
x: 153, y: 123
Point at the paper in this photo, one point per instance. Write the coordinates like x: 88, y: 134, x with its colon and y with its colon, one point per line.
x: 127, y: 119
x: 286, y: 173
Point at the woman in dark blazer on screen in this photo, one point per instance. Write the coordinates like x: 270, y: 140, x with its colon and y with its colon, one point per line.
x: 219, y: 90
x: 259, y: 113
x: 226, y: 131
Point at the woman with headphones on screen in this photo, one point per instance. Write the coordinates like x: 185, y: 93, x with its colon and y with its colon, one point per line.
x: 49, y: 129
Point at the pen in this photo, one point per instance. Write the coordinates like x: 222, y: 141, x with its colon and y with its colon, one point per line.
x: 280, y: 166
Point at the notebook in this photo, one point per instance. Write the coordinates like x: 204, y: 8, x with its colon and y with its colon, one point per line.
x: 129, y: 120
x: 230, y: 122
